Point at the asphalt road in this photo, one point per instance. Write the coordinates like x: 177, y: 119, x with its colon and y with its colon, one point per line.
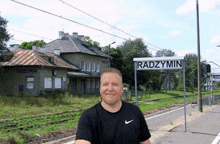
x: 202, y: 130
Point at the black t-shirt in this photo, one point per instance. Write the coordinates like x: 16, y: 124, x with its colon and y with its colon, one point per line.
x: 127, y: 126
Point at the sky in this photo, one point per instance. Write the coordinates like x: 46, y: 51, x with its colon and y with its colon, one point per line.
x: 161, y: 24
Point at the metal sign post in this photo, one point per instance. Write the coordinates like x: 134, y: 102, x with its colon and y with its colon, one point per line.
x: 160, y: 63
x: 184, y: 91
x: 135, y: 79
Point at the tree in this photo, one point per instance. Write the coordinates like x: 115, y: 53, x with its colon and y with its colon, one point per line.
x: 165, y: 52
x: 129, y: 50
x: 191, y: 73
x: 92, y: 43
x: 28, y: 45
x: 165, y: 74
x: 4, y: 35
x: 4, y: 38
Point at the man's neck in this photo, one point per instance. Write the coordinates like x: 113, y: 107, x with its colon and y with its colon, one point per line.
x: 112, y: 108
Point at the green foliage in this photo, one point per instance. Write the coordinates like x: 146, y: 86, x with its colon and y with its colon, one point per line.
x: 165, y: 52
x: 4, y: 35
x: 96, y: 44
x: 218, y: 84
x: 164, y: 76
x: 28, y: 45
x: 124, y: 61
x: 191, y: 72
x: 126, y: 85
x: 180, y: 87
x: 143, y: 88
x: 88, y: 40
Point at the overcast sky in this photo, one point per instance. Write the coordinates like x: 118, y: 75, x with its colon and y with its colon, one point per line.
x: 169, y: 24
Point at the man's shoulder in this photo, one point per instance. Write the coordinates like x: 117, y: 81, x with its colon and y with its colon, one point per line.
x: 91, y: 112
x: 129, y: 105
x: 131, y: 108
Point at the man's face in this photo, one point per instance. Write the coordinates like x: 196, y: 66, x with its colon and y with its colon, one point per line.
x: 111, y: 88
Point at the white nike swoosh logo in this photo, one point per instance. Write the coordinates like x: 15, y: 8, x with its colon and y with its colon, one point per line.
x: 127, y: 122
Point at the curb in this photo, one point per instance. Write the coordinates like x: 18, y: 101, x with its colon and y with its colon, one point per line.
x: 63, y: 140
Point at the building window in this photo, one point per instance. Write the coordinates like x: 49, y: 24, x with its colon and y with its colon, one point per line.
x: 57, y: 83
x: 97, y: 83
x: 88, y: 66
x: 93, y: 67
x: 48, y: 82
x: 97, y: 67
x: 30, y: 82
x: 83, y: 66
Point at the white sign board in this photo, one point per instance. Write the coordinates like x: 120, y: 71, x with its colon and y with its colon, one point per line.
x: 159, y: 63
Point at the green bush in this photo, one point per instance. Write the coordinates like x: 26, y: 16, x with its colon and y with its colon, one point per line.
x: 126, y: 85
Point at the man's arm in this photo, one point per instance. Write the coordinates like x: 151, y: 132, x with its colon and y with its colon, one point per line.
x: 146, y: 142
x: 82, y: 142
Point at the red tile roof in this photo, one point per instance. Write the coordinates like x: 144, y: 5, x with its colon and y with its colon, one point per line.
x: 23, y: 57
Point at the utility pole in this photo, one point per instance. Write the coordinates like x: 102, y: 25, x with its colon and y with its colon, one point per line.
x: 109, y: 65
x: 198, y: 60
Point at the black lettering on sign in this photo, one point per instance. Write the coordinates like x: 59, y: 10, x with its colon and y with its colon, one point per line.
x: 151, y: 64
x: 169, y: 64
x: 145, y: 65
x: 179, y: 63
x: 163, y: 62
x: 157, y: 62
x: 139, y: 64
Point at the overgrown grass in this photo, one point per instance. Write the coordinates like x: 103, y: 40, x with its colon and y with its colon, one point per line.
x: 60, y: 111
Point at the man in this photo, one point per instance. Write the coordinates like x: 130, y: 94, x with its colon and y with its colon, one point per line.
x: 112, y: 121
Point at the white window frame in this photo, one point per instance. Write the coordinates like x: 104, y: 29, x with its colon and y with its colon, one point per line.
x: 59, y: 84
x: 93, y: 67
x: 88, y: 66
x: 83, y: 67
x: 30, y: 82
x: 98, y: 67
x: 48, y: 82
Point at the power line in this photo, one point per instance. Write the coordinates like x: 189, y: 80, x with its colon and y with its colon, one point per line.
x: 69, y: 20
x: 106, y: 23
x: 30, y: 34
x: 73, y: 21
x: 17, y: 40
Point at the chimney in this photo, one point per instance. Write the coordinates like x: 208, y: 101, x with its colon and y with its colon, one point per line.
x: 41, y: 49
x: 34, y: 48
x: 57, y: 52
x: 75, y: 34
x: 81, y: 37
x: 61, y: 34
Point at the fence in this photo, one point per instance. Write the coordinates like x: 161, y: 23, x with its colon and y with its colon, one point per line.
x: 131, y: 94
x: 209, y: 100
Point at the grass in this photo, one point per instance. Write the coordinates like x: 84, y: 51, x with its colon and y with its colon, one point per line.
x: 47, y: 114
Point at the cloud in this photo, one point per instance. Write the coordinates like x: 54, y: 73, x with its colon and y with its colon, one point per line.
x: 190, y: 5
x: 184, y: 52
x: 175, y: 32
x: 187, y: 7
x: 215, y: 39
x: 211, y: 54
x: 42, y: 24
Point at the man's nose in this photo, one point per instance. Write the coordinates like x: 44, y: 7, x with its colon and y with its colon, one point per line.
x: 110, y: 87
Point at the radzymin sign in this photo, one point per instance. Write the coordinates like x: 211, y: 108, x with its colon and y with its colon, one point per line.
x: 160, y: 63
